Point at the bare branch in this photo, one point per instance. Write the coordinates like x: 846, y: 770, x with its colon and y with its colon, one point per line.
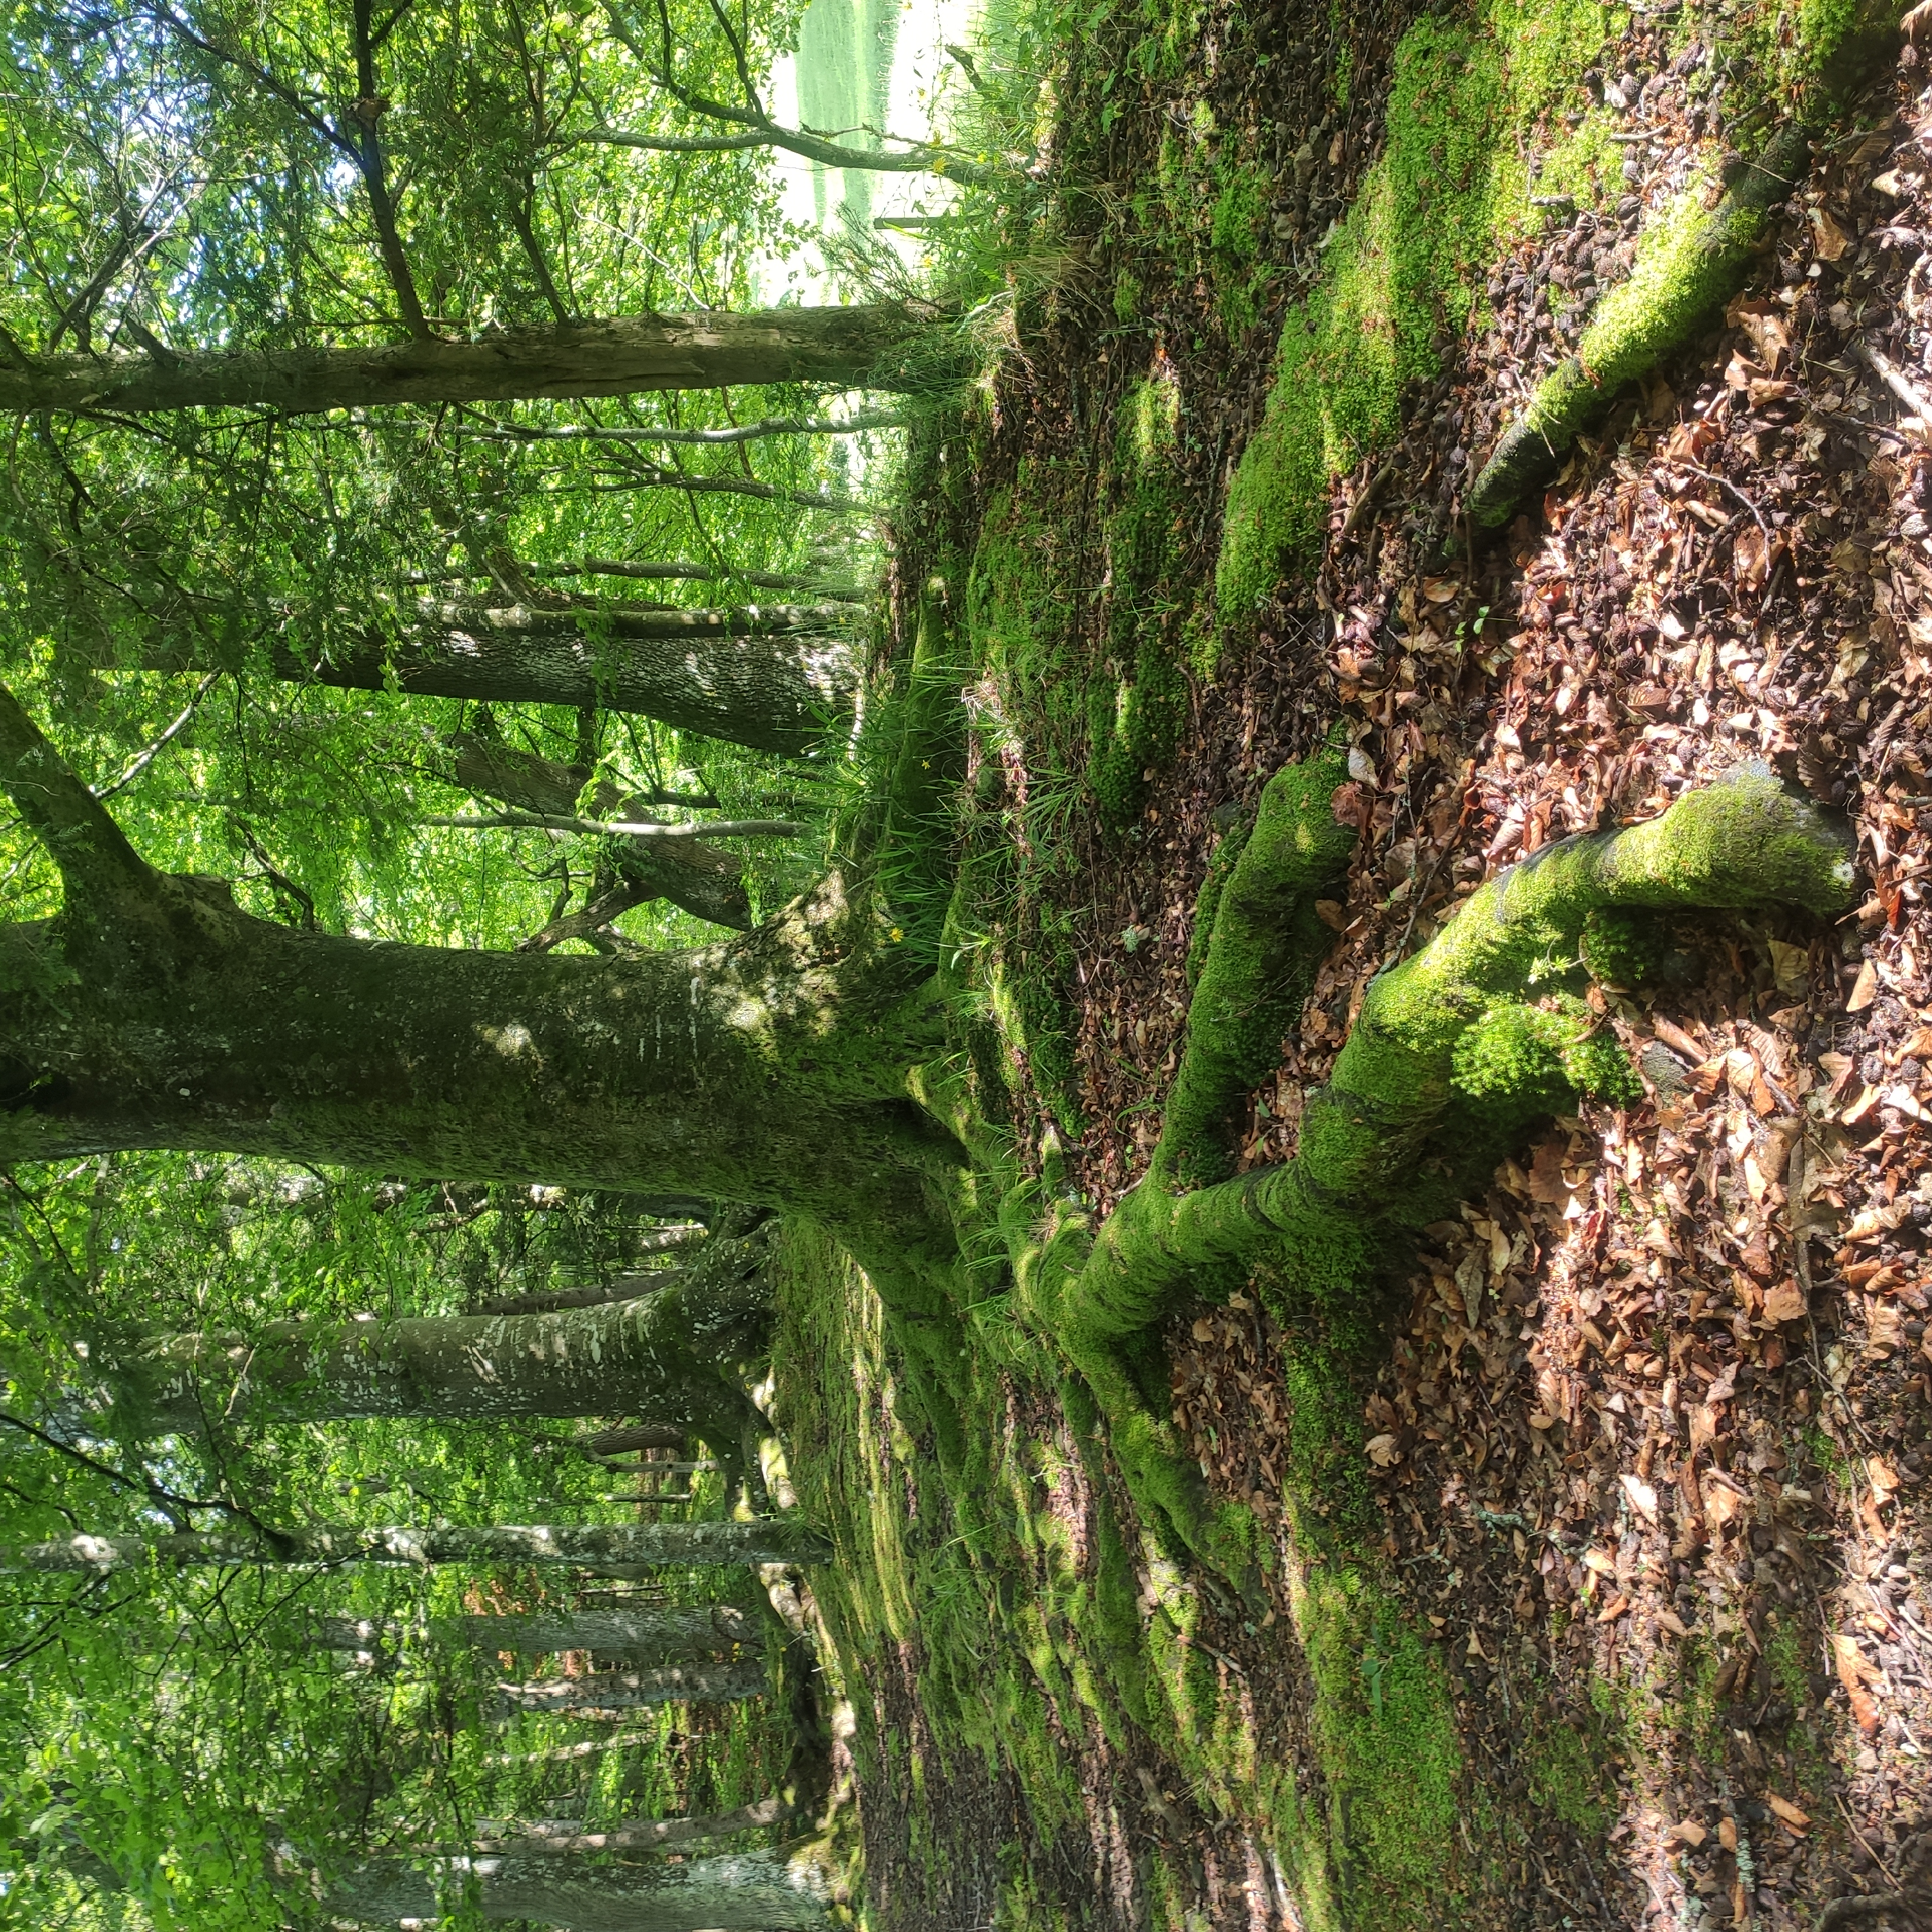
x: 732, y: 433
x: 549, y: 821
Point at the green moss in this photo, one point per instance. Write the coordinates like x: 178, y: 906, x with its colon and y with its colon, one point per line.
x: 1622, y: 948
x: 1383, y: 1727
x: 1834, y: 46
x: 1520, y: 1060
x: 1136, y: 706
x: 1564, y: 1764
x: 1401, y: 271
x: 1237, y: 229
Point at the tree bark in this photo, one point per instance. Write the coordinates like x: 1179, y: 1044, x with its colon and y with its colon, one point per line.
x: 855, y: 347
x: 151, y: 1012
x: 749, y: 1891
x: 657, y: 1636
x: 636, y: 1689
x: 700, y: 879
x: 645, y: 1351
x: 776, y: 680
x: 680, y: 1630
x: 563, y: 1835
x: 681, y: 1545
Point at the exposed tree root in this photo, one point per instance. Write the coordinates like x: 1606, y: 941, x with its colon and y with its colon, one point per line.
x: 1455, y: 1053
x: 1692, y: 260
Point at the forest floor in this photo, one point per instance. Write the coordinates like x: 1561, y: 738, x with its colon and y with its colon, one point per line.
x: 1642, y: 1622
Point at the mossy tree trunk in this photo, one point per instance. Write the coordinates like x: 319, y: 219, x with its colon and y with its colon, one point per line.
x: 151, y: 1012
x: 1454, y: 1053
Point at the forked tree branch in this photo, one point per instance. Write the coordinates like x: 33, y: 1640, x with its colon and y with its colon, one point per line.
x: 97, y: 863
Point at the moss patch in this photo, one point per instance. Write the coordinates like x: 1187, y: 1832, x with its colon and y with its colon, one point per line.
x: 1403, y: 273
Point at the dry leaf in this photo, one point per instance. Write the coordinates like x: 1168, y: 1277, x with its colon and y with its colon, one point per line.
x: 1854, y: 1673
x: 1674, y: 1036
x: 1884, y: 1478
x: 1688, y: 1831
x: 1788, y: 1811
x: 1601, y: 1561
x: 1790, y: 965
x: 1614, y: 1608
x: 1382, y: 1451
x: 1865, y: 989
x: 1676, y: 1626
x: 1727, y: 1834
x: 1642, y: 1495
x: 1784, y: 1303
x: 1832, y: 241
x: 1721, y: 1504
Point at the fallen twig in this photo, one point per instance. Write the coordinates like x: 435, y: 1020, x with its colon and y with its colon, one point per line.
x: 1895, y: 379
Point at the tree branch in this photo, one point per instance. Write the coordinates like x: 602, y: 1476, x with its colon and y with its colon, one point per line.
x: 734, y: 432
x: 96, y: 861
x: 368, y: 110
x: 558, y: 821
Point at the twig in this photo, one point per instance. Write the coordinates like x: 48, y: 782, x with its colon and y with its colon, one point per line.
x: 1725, y: 484
x: 1895, y: 379
x: 166, y: 738
x: 1370, y: 490
x: 547, y: 821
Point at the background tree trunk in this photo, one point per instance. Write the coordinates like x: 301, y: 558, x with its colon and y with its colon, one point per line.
x: 700, y: 879
x: 847, y: 347
x: 681, y: 1545
x: 777, y: 681
x: 575, y: 1362
x: 636, y: 1689
x: 749, y: 1891
x: 678, y: 1630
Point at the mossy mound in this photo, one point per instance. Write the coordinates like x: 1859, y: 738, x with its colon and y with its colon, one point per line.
x: 1404, y: 273
x: 1137, y: 703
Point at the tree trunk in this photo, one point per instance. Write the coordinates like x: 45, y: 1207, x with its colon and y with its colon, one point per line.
x: 680, y: 1630
x: 152, y: 1012
x: 635, y: 1690
x: 645, y: 1636
x: 678, y: 1545
x: 848, y: 348
x: 776, y: 681
x: 601, y: 1361
x: 700, y: 879
x: 556, y: 1835
x: 750, y: 1892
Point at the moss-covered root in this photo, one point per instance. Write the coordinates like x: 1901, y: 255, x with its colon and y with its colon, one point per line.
x: 1447, y: 1033
x: 1690, y: 261
x: 1265, y: 941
